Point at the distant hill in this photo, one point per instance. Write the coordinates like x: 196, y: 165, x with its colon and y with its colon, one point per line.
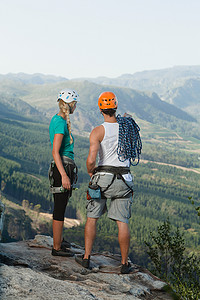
x: 179, y: 85
x: 16, y: 109
x: 186, y: 96
x: 153, y: 80
x: 36, y: 78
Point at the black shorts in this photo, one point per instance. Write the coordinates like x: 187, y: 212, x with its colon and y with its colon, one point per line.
x: 60, y: 199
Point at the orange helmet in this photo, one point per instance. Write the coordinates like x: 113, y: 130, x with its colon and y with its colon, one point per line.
x: 107, y: 100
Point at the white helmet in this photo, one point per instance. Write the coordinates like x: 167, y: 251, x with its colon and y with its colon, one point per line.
x: 68, y: 96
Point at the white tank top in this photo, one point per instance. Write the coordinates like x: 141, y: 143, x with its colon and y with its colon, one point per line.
x: 108, y: 148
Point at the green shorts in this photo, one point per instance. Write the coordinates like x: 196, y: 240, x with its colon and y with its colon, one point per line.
x: 120, y: 195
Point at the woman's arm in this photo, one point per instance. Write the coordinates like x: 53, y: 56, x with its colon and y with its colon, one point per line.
x: 56, y: 156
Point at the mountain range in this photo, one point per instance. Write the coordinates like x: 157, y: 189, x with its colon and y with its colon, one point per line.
x: 169, y: 98
x: 154, y: 80
x: 179, y: 85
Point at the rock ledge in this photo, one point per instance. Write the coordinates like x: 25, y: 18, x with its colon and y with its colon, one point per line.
x: 29, y: 271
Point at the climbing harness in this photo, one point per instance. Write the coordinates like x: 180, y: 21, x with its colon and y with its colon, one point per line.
x: 130, y: 144
x: 71, y: 171
x: 116, y: 171
x: 94, y: 189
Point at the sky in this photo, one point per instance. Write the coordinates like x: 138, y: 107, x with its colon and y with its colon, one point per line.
x: 91, y: 38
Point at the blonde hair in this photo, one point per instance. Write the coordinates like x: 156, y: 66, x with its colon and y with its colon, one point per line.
x: 65, y: 108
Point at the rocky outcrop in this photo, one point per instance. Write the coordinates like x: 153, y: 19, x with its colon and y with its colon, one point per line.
x: 29, y: 271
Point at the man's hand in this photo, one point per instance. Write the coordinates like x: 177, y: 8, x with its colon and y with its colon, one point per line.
x: 127, y: 115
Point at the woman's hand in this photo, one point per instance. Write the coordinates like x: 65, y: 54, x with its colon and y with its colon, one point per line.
x: 66, y: 182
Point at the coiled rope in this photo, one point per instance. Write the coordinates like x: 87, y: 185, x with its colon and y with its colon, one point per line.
x: 130, y: 144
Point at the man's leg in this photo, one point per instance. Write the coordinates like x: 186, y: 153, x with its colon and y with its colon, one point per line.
x: 57, y: 234
x: 124, y: 240
x: 90, y: 234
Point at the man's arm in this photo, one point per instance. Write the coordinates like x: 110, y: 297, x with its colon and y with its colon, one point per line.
x: 96, y: 137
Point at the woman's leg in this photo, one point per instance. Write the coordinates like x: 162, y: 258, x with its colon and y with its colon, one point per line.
x: 57, y: 234
x: 60, y: 203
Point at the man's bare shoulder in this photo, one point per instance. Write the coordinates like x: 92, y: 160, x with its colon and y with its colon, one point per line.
x: 97, y: 129
x: 98, y: 133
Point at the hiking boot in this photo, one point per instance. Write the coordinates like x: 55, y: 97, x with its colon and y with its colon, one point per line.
x: 65, y: 244
x: 62, y: 252
x: 125, y: 268
x: 84, y: 262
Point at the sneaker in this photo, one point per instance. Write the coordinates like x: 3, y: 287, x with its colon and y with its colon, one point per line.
x: 125, y: 268
x: 84, y: 262
x: 62, y: 252
x: 65, y: 244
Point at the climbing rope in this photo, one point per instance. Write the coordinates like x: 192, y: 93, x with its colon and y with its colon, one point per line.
x: 130, y: 144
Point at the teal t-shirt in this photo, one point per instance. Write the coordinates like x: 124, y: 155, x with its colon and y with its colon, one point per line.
x: 59, y: 125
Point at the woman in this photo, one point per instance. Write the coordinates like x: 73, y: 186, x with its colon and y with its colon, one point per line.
x: 63, y: 170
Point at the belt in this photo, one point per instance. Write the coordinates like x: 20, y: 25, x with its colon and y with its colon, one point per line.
x: 112, y: 169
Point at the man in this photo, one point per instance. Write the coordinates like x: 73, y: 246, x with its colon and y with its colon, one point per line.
x: 112, y: 176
